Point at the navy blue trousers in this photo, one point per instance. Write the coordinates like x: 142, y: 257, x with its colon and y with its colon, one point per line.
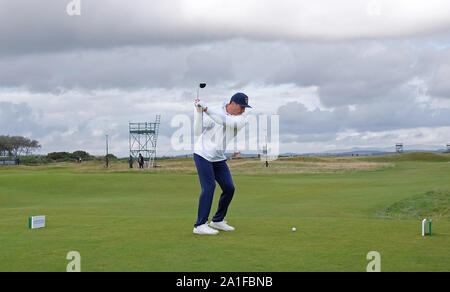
x: 209, y: 173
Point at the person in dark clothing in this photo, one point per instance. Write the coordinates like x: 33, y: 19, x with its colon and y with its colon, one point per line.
x: 141, y: 161
x: 131, y: 161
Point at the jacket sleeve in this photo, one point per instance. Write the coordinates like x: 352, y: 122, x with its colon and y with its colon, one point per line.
x: 198, y: 123
x: 229, y: 121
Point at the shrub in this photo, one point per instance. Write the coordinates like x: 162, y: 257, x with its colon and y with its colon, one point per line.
x: 69, y: 157
x: 34, y: 160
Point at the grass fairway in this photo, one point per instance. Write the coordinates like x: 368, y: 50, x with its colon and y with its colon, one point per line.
x: 120, y: 220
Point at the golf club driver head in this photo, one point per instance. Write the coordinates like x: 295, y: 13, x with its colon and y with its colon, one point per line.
x: 201, y: 85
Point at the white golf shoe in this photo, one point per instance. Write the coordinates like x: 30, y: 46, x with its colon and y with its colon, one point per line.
x: 221, y: 225
x: 205, y: 229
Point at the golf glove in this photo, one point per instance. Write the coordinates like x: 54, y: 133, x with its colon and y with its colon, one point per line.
x: 199, y: 106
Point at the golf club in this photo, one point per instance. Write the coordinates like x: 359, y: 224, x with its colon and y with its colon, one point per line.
x: 201, y: 85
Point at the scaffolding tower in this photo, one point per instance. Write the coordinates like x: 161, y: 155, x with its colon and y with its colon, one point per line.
x: 399, y: 147
x: 143, y: 138
x: 448, y: 148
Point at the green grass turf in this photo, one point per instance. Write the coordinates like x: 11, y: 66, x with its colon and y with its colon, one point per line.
x: 142, y: 221
x: 430, y: 204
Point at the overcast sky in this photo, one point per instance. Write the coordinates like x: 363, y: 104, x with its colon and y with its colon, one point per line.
x: 341, y: 74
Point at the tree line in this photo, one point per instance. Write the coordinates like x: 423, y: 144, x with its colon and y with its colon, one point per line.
x: 14, y: 146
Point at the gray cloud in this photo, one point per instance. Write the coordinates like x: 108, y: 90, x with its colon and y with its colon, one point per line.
x: 44, y: 27
x: 122, y: 62
x: 20, y: 119
x: 435, y: 67
x: 346, y: 73
x: 384, y: 115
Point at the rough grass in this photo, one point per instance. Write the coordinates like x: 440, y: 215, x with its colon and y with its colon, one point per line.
x: 433, y: 204
x: 300, y: 165
x: 283, y: 165
x: 413, y: 156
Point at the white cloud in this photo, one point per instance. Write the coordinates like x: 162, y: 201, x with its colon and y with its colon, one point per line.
x: 322, y: 19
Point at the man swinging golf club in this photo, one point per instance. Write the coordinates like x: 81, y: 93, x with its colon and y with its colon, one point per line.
x: 214, y: 128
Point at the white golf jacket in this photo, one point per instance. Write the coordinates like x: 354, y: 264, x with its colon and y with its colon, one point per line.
x: 214, y: 130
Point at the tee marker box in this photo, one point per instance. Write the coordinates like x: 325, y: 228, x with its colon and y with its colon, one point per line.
x: 35, y: 222
x: 424, y: 227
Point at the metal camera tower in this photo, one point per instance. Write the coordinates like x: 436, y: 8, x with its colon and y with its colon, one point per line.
x: 399, y: 147
x: 448, y: 148
x: 143, y: 138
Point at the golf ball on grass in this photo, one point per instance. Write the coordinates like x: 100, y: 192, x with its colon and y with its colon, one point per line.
x: 294, y: 229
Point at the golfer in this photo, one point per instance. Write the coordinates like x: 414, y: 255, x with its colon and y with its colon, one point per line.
x: 214, y: 128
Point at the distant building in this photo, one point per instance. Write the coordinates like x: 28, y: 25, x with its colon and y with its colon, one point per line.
x: 237, y: 155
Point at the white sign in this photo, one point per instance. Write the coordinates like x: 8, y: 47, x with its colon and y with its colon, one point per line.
x: 36, y: 222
